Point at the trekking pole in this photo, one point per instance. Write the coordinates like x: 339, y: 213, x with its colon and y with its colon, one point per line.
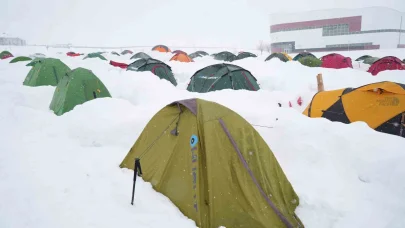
x: 137, y: 172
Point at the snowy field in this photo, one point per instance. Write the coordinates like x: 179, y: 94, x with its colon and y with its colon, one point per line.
x: 62, y: 172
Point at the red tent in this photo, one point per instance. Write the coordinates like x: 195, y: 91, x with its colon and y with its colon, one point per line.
x: 72, y: 54
x: 7, y: 56
x: 120, y: 65
x: 386, y: 63
x: 336, y: 61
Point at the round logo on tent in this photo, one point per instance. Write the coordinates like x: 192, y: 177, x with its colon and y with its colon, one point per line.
x: 193, y: 140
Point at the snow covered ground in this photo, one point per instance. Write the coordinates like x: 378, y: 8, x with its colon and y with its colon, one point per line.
x: 63, y: 171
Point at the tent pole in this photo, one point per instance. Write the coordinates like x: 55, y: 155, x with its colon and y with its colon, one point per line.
x: 137, y: 172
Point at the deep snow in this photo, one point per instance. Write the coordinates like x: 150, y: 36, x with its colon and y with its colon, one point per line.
x: 63, y: 171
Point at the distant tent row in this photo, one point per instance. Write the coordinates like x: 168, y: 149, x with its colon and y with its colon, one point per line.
x: 73, y: 87
x: 381, y: 105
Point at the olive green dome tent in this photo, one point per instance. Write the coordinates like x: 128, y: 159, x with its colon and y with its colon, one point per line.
x: 225, y: 56
x: 370, y: 60
x: 77, y: 87
x: 278, y: 55
x: 243, y: 55
x: 95, y: 55
x: 215, y: 167
x: 363, y: 57
x: 47, y: 71
x: 222, y: 76
x: 157, y: 67
x: 20, y: 59
x: 310, y: 61
x: 141, y: 55
x: 302, y: 55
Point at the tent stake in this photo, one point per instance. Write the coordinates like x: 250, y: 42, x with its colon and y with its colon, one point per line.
x: 137, y: 172
x: 319, y: 79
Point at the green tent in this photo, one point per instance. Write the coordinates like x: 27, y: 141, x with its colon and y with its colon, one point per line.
x: 47, y: 71
x: 95, y: 55
x: 225, y: 56
x: 278, y: 55
x: 34, y: 61
x: 20, y: 59
x: 370, y: 60
x: 363, y: 57
x: 77, y: 87
x: 126, y: 52
x: 243, y: 55
x: 141, y: 55
x: 157, y: 67
x: 5, y: 53
x: 215, y: 167
x: 198, y: 54
x: 115, y: 53
x: 222, y: 76
x: 310, y: 61
x: 302, y: 55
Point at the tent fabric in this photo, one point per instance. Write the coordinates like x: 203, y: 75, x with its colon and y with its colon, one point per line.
x: 310, y: 61
x: 222, y: 76
x: 115, y: 53
x: 381, y: 105
x: 225, y: 56
x: 370, y: 60
x: 363, y: 57
x: 336, y: 61
x: 179, y: 52
x: 94, y: 55
x: 243, y: 55
x: 77, y: 87
x: 157, y: 67
x: 235, y: 181
x: 126, y: 52
x: 198, y: 54
x: 47, y: 71
x: 141, y: 55
x: 5, y: 55
x: 386, y: 63
x: 161, y: 48
x: 73, y: 54
x: 182, y: 58
x: 302, y: 55
x: 281, y: 56
x: 20, y: 59
x: 120, y: 65
x: 34, y: 61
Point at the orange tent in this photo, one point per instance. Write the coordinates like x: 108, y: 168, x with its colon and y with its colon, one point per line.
x: 182, y: 58
x: 161, y: 48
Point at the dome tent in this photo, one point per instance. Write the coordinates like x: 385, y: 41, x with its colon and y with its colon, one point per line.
x: 363, y: 57
x: 179, y: 51
x: 381, y: 105
x: 302, y: 55
x: 204, y: 184
x: 161, y: 48
x: 225, y: 56
x: 279, y: 55
x: 386, y: 63
x: 336, y: 61
x: 115, y: 53
x: 222, y: 76
x: 95, y: 55
x: 5, y: 55
x: 126, y: 52
x: 47, y: 71
x: 77, y: 87
x: 243, y: 55
x: 141, y: 55
x: 310, y: 61
x: 181, y: 58
x: 157, y: 67
x: 20, y: 59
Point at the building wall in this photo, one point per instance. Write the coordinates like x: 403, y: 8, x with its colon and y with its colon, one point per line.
x: 374, y: 28
x: 12, y: 41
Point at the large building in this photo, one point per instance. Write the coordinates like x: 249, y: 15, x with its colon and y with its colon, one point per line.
x: 12, y: 41
x: 337, y: 30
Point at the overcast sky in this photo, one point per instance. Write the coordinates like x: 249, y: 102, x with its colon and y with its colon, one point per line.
x: 229, y: 23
